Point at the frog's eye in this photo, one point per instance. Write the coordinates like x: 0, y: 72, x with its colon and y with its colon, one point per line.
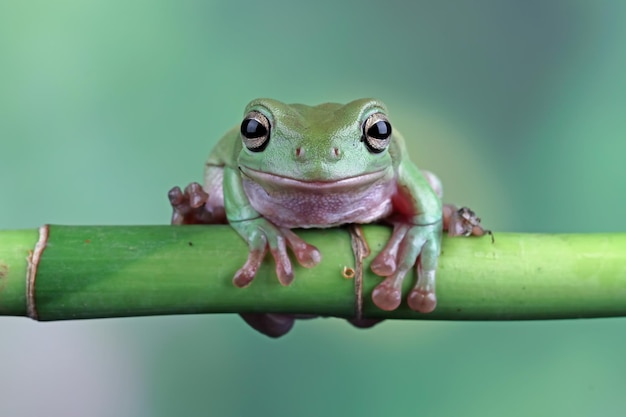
x: 255, y: 131
x: 376, y: 132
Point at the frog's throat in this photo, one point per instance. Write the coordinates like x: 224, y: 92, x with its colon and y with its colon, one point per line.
x: 268, y: 180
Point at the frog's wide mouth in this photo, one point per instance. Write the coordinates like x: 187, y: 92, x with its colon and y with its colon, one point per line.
x: 270, y: 180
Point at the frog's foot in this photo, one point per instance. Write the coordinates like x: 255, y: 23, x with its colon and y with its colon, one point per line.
x: 262, y: 236
x: 463, y: 222
x: 272, y: 325
x: 409, y: 245
x: 364, y: 323
x: 189, y: 206
x: 276, y: 325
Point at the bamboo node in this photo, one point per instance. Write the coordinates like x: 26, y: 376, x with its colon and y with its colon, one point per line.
x: 33, y: 259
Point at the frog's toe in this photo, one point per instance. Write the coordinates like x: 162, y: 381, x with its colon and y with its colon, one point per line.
x: 388, y: 294
x: 242, y: 278
x: 177, y: 201
x: 422, y: 298
x: 246, y: 274
x: 384, y: 264
x: 284, y: 270
x: 196, y: 195
x: 422, y: 301
x: 175, y: 195
x: 285, y: 274
x: 307, y: 255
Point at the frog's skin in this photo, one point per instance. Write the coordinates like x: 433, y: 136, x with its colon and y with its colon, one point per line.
x: 297, y: 166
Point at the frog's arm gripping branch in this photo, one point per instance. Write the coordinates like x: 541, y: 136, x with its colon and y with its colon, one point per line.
x: 88, y: 271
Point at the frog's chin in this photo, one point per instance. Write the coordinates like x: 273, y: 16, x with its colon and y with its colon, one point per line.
x: 276, y: 181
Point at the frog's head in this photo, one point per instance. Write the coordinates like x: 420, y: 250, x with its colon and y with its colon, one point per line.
x: 327, y: 145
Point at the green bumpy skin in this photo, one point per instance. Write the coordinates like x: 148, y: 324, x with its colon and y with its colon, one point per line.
x: 298, y: 166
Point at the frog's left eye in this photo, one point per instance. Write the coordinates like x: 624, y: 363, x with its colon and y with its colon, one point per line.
x: 255, y: 131
x: 376, y: 132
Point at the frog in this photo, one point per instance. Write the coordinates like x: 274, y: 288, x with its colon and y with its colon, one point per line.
x: 294, y: 166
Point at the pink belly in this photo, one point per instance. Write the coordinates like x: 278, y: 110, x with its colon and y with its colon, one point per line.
x: 297, y: 208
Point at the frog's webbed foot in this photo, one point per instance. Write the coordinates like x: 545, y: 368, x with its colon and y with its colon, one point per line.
x: 408, y: 246
x: 272, y: 325
x: 262, y: 236
x: 463, y: 222
x: 189, y: 206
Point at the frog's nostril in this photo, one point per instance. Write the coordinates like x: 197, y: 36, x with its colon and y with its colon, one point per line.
x: 299, y: 152
x: 335, y: 153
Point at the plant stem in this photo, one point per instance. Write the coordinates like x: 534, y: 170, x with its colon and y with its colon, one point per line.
x: 116, y: 271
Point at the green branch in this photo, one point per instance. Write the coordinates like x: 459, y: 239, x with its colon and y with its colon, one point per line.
x: 89, y: 271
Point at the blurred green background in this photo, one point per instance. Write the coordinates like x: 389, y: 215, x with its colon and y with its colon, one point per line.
x: 520, y: 106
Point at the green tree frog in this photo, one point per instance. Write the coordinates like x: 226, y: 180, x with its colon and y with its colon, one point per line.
x: 292, y: 166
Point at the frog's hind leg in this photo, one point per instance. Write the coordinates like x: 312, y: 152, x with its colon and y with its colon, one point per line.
x: 198, y: 205
x: 457, y: 222
x: 272, y: 325
x: 434, y: 182
x: 463, y: 222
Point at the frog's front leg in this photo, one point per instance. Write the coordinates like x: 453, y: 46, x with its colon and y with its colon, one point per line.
x: 403, y: 250
x: 262, y: 236
x: 410, y: 245
x: 415, y: 242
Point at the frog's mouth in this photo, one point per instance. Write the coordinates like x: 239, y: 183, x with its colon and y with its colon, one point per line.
x: 276, y: 181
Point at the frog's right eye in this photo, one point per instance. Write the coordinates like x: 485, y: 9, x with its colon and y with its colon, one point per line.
x: 255, y: 131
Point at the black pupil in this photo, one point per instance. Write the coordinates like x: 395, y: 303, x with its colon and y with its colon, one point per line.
x: 380, y: 130
x: 251, y: 128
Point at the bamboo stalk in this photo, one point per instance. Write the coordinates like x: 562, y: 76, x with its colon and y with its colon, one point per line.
x: 119, y: 271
